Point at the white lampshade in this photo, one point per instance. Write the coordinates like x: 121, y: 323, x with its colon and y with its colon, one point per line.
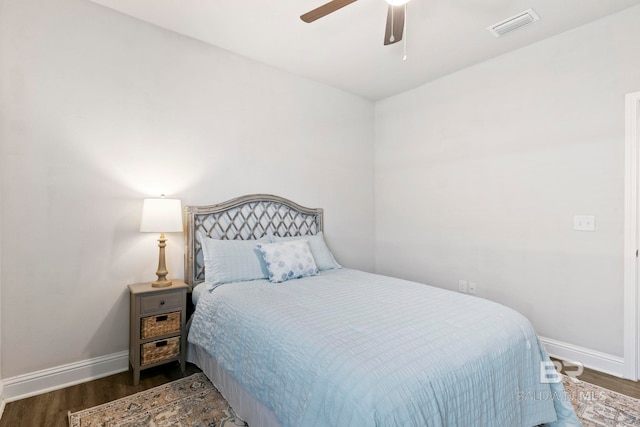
x: 161, y: 216
x: 397, y: 2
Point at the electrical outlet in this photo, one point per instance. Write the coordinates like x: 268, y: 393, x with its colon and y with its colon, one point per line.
x: 584, y: 223
x: 472, y: 287
x: 462, y: 286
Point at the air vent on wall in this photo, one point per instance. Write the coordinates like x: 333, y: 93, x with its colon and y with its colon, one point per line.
x: 511, y: 24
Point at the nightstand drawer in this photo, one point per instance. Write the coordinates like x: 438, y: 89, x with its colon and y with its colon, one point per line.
x: 161, y: 324
x: 157, y: 351
x: 153, y: 303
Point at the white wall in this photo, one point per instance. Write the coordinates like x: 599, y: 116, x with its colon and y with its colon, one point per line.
x: 104, y: 110
x: 479, y: 174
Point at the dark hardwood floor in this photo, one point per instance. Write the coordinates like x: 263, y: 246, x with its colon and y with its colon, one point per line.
x: 630, y: 388
x: 50, y: 409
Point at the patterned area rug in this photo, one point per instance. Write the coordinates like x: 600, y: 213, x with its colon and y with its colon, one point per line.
x: 191, y: 401
x: 599, y: 407
x: 195, y: 402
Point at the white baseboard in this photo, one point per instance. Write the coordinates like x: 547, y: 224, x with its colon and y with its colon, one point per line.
x: 603, y: 362
x: 39, y: 382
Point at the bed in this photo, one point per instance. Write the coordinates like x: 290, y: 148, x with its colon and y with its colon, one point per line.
x: 292, y: 338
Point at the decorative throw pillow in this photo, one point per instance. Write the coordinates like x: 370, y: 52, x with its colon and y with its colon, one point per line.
x: 227, y: 261
x: 321, y: 253
x: 288, y: 260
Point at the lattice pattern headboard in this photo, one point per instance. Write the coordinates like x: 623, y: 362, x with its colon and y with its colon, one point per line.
x: 244, y: 218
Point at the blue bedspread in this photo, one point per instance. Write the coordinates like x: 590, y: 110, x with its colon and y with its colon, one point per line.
x: 349, y: 348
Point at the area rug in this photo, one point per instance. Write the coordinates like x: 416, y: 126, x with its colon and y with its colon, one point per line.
x: 195, y: 402
x: 599, y: 407
x: 191, y: 401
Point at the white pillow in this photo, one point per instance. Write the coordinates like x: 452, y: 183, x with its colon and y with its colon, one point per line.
x: 227, y: 261
x: 321, y: 253
x: 288, y: 260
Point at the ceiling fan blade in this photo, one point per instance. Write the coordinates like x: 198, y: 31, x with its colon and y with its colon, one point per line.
x: 325, y: 9
x: 395, y: 25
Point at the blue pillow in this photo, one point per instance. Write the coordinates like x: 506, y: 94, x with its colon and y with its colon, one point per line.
x: 321, y: 253
x: 288, y: 260
x: 227, y: 261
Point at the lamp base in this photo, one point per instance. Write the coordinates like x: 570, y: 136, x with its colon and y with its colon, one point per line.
x: 161, y: 284
x: 162, y: 272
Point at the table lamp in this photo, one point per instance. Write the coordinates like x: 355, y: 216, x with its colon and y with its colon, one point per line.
x: 161, y: 216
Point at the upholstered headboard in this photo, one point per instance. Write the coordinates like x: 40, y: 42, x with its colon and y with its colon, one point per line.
x: 244, y: 218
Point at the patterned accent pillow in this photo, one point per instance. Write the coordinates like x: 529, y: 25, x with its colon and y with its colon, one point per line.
x: 288, y: 260
x: 321, y: 253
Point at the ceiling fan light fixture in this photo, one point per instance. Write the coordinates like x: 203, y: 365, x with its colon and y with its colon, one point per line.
x: 397, y: 2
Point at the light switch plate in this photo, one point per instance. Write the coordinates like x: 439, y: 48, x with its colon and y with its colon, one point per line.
x: 584, y: 223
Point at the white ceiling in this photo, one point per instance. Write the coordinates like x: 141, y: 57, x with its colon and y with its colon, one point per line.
x: 345, y: 49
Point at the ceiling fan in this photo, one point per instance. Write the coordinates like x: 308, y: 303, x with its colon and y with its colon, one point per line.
x: 395, y: 16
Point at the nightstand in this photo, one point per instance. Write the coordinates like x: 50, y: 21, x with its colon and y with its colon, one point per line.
x: 157, y: 333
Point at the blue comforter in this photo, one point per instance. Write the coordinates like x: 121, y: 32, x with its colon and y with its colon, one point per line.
x: 349, y: 348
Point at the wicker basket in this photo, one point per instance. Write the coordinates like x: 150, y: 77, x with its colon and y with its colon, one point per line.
x: 155, y: 326
x: 157, y: 351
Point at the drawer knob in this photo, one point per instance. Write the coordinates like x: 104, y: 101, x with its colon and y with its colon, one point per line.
x: 162, y: 302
